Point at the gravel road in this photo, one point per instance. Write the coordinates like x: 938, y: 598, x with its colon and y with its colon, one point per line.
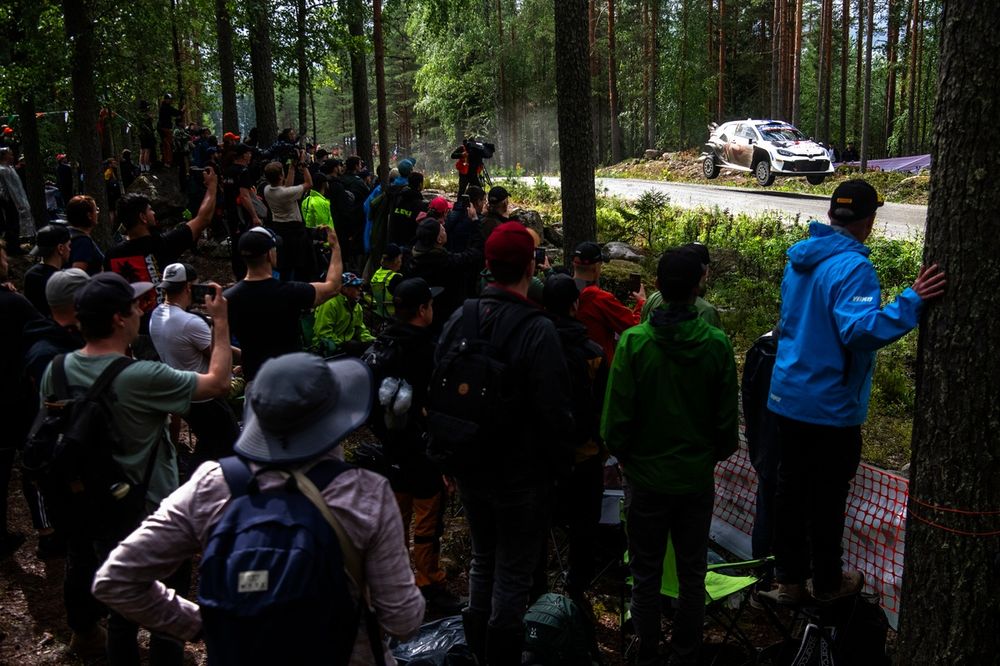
x: 894, y: 220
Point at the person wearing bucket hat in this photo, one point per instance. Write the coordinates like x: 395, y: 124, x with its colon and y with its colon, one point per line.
x: 298, y: 412
x: 146, y: 392
x: 339, y: 324
x: 832, y: 322
x: 600, y: 311
x: 52, y: 246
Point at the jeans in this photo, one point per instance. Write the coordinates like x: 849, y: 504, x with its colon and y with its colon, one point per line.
x: 508, y: 524
x: 685, y: 519
x: 814, y: 477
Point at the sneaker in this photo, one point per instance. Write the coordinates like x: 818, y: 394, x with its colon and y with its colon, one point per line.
x: 787, y: 594
x: 440, y: 600
x: 89, y: 644
x: 851, y: 583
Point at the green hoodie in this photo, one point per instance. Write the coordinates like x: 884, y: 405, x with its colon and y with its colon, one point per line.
x: 670, y: 411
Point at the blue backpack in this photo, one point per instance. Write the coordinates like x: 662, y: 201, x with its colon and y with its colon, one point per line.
x: 273, y: 584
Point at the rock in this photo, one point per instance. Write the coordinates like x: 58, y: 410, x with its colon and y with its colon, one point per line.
x: 554, y: 235
x: 531, y: 219
x: 651, y: 154
x: 165, y: 194
x: 623, y: 251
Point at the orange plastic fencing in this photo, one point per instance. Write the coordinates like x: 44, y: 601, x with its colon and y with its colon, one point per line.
x: 874, y: 525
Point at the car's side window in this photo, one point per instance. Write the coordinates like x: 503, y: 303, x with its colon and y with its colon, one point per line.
x: 747, y: 132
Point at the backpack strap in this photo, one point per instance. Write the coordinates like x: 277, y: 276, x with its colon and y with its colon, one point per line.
x: 237, y: 474
x: 470, y: 319
x: 104, y: 380
x: 59, y: 382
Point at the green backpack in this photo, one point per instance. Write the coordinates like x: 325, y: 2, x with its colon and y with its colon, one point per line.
x: 556, y: 633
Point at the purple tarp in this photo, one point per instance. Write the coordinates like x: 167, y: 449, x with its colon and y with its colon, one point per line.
x: 911, y: 164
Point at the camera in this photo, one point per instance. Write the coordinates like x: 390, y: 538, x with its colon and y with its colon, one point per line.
x: 199, y: 292
x: 539, y: 256
x: 463, y: 202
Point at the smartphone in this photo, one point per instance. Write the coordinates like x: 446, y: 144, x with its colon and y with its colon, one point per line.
x: 463, y: 201
x: 539, y: 256
x: 200, y: 291
x: 634, y: 282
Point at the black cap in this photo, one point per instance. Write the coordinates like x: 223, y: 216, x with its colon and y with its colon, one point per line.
x: 589, y: 252
x: 414, y: 292
x: 427, y: 232
x: 498, y: 194
x: 854, y: 200
x: 699, y: 250
x: 48, y: 238
x: 391, y: 251
x: 258, y: 241
x: 106, y: 294
x: 559, y: 294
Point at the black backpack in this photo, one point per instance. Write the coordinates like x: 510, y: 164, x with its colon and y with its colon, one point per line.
x: 556, y: 633
x: 761, y: 424
x: 473, y: 393
x: 68, y: 454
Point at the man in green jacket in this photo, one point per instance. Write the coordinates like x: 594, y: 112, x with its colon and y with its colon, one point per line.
x: 670, y: 413
x: 705, y: 309
x: 315, y: 205
x: 339, y: 325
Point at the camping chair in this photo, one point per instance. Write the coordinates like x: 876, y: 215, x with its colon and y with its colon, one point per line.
x: 726, y: 584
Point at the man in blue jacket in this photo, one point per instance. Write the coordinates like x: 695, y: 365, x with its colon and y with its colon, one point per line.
x: 831, y: 325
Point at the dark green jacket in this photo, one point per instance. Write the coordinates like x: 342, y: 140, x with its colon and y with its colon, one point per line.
x: 670, y: 410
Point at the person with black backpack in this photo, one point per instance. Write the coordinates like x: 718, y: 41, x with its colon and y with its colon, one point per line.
x: 402, y: 359
x: 303, y: 556
x: 500, y: 418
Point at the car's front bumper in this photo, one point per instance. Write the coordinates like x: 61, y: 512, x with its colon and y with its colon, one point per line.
x: 802, y: 166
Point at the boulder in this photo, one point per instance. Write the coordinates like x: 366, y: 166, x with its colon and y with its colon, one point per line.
x: 531, y: 219
x: 165, y: 194
x: 553, y: 235
x: 651, y: 154
x: 623, y: 251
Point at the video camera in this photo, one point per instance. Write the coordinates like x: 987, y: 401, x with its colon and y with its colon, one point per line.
x: 483, y: 149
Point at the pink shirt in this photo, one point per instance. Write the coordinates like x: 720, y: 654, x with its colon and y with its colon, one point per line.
x: 362, y: 501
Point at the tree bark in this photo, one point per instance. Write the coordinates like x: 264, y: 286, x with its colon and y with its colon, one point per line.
x: 720, y: 100
x: 775, y: 59
x: 866, y: 120
x: 576, y: 156
x: 262, y: 71
x: 79, y: 22
x: 178, y: 65
x: 820, y: 72
x: 654, y: 69
x: 890, y: 83
x: 827, y: 70
x: 797, y: 68
x: 951, y: 591
x: 302, y: 66
x: 380, y: 103
x: 859, y: 65
x: 595, y: 103
x: 616, y: 128
x: 35, y: 185
x: 227, y: 66
x: 845, y: 48
x: 646, y: 53
x: 682, y: 134
x: 353, y: 11
x: 911, y: 75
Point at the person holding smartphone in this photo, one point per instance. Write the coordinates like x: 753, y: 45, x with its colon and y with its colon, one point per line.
x: 603, y: 314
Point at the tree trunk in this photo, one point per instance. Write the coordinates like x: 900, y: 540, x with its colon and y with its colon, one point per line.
x: 178, y: 69
x: 775, y: 59
x: 911, y: 75
x: 262, y: 71
x: 845, y: 48
x: 859, y: 64
x: 302, y: 66
x: 616, y: 128
x: 646, y: 53
x: 654, y: 70
x: 355, y: 14
x: 682, y: 135
x: 576, y: 156
x: 720, y: 101
x: 227, y: 67
x: 797, y: 67
x: 820, y: 72
x: 595, y: 102
x: 951, y: 591
x: 918, y: 105
x: 890, y: 83
x: 380, y: 104
x: 866, y: 120
x: 828, y: 69
x: 79, y: 19
x: 503, y: 122
x: 35, y: 185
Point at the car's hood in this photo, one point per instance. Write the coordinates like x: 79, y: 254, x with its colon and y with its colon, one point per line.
x: 804, y: 148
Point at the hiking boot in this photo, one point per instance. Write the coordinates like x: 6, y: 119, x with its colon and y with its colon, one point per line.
x: 851, y: 583
x: 787, y: 594
x: 89, y: 644
x: 440, y: 600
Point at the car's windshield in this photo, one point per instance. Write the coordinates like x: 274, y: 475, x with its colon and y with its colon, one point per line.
x: 781, y: 133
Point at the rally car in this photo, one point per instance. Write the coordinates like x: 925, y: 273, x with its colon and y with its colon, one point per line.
x: 766, y: 148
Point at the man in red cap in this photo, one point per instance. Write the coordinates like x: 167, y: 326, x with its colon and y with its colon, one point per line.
x: 521, y: 445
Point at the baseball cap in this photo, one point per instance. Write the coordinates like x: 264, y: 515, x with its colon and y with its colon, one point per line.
x: 391, y: 251
x: 405, y: 166
x: 559, y: 293
x: 62, y: 286
x: 427, y: 231
x: 232, y: 136
x: 258, y: 241
x: 351, y: 280
x: 498, y: 194
x: 48, y: 237
x: 438, y: 207
x: 106, y: 294
x: 414, y: 292
x: 510, y: 243
x: 699, y: 250
x: 300, y: 406
x: 60, y: 157
x: 854, y: 200
x: 589, y: 252
x: 175, y: 274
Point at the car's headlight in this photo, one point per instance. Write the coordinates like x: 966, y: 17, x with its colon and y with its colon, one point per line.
x: 786, y: 153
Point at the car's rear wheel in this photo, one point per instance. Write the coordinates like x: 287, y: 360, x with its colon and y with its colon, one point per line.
x: 815, y: 180
x: 763, y: 173
x: 710, y: 167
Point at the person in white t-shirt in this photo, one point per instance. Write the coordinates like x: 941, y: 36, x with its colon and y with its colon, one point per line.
x: 184, y: 342
x: 283, y: 197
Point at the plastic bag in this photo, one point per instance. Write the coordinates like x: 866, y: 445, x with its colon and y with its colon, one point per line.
x: 439, y: 643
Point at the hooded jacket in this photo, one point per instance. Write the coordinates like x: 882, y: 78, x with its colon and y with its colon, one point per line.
x: 670, y: 410
x: 44, y: 339
x: 831, y: 325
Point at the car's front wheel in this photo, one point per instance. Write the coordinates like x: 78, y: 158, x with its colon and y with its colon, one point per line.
x: 815, y: 180
x: 709, y: 167
x: 763, y: 173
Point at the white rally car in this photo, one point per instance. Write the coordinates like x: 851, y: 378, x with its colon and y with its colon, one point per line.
x: 766, y: 148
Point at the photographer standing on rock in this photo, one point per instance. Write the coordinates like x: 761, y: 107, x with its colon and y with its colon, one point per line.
x: 283, y: 197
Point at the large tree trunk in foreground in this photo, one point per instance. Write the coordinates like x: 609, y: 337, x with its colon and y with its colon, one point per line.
x: 359, y: 80
x: 951, y: 586
x: 616, y: 127
x: 263, y: 72
x: 383, y: 116
x: 227, y: 67
x: 576, y: 150
x: 79, y: 16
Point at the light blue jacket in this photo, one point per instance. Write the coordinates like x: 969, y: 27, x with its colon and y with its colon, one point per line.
x: 831, y: 325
